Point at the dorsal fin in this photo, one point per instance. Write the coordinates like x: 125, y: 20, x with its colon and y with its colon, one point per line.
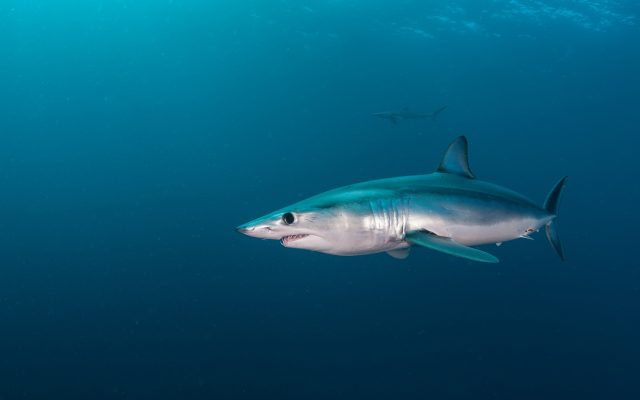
x: 456, y: 159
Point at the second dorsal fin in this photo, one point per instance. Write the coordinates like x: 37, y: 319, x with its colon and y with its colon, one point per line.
x: 456, y: 159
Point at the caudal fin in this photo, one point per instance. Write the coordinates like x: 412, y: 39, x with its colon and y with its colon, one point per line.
x: 551, y: 205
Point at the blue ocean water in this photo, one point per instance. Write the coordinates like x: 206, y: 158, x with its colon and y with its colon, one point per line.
x: 137, y: 134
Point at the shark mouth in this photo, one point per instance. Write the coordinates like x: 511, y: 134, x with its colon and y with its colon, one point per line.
x: 292, y: 238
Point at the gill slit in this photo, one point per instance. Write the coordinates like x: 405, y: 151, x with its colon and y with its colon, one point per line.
x: 390, y: 216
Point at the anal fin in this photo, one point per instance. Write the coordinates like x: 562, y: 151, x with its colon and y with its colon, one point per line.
x: 449, y: 246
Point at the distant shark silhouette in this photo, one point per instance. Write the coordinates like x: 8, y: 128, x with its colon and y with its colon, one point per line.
x: 405, y: 113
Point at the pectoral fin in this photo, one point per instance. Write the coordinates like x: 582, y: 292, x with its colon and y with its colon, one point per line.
x: 446, y: 245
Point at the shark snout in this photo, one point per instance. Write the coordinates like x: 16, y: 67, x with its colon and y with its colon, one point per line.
x: 250, y: 229
x: 258, y: 229
x: 245, y: 229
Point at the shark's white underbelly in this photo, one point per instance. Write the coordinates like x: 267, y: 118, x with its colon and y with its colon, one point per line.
x: 471, y: 233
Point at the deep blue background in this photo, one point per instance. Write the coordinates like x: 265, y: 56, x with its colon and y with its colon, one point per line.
x: 136, y: 135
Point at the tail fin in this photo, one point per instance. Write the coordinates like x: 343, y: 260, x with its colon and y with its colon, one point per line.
x: 438, y: 111
x: 551, y: 205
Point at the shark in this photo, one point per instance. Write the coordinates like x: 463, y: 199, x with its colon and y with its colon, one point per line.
x: 405, y: 113
x: 449, y: 211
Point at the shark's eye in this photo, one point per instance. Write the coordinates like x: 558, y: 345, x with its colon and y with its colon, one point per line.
x: 288, y: 218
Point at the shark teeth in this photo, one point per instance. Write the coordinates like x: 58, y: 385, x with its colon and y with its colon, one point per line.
x: 288, y: 239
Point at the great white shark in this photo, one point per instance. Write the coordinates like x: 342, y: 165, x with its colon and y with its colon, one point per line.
x: 448, y: 211
x: 405, y: 113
